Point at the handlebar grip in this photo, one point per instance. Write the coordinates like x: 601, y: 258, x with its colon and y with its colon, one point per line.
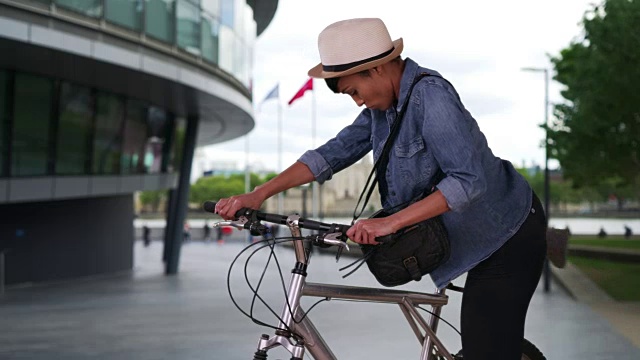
x: 209, y: 206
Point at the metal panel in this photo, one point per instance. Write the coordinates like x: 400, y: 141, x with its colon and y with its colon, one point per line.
x: 27, y: 189
x: 160, y: 66
x: 61, y: 40
x: 104, y: 185
x: 4, y: 189
x: 116, y: 55
x: 70, y: 187
x: 14, y: 29
x: 129, y: 184
x: 152, y: 182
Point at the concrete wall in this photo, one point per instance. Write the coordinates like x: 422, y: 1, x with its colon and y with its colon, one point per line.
x: 56, y: 240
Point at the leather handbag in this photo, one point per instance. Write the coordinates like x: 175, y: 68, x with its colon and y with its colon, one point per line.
x: 409, y: 253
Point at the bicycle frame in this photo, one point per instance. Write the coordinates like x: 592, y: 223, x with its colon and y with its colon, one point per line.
x: 293, y: 316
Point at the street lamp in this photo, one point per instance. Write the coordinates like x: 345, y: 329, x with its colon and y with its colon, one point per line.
x: 545, y: 71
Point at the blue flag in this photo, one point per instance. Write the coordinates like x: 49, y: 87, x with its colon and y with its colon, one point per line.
x: 273, y: 94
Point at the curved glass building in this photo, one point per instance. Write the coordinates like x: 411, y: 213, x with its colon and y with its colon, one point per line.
x: 103, y: 98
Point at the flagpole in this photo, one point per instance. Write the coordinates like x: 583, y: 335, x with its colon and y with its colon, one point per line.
x: 280, y: 194
x: 314, y: 189
x: 246, y: 164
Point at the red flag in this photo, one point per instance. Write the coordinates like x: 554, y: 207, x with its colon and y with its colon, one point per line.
x: 307, y: 86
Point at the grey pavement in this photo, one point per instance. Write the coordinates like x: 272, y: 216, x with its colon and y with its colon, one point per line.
x: 144, y: 314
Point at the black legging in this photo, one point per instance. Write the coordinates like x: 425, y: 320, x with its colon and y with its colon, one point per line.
x: 498, y: 291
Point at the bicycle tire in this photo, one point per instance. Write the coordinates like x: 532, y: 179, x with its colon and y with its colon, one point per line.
x: 529, y: 352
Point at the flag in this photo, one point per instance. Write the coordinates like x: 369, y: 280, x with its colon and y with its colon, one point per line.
x: 307, y: 86
x: 273, y: 94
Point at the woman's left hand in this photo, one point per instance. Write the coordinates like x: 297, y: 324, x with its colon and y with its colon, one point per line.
x: 365, y: 231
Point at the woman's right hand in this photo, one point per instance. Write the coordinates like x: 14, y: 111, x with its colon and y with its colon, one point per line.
x: 228, y: 207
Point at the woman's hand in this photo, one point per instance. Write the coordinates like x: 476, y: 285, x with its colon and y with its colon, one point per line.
x: 365, y: 231
x: 228, y: 207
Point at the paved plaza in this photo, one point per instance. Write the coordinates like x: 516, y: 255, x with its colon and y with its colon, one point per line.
x: 144, y: 314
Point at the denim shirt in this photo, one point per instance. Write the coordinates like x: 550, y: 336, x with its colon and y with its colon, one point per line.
x: 488, y: 199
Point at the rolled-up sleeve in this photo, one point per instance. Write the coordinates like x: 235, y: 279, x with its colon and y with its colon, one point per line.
x: 457, y: 145
x: 317, y: 164
x: 350, y: 145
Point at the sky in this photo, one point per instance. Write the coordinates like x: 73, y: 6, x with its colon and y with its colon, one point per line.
x: 480, y: 46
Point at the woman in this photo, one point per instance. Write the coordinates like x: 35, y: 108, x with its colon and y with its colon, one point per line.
x: 495, y: 222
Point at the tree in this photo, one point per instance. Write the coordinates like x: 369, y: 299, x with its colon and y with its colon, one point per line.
x: 221, y: 186
x: 215, y: 187
x: 596, y: 136
x: 152, y: 198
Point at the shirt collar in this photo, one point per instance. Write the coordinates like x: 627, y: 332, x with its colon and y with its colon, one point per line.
x: 410, y: 72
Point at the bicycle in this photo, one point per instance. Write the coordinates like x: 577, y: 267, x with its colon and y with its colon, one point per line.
x: 296, y: 332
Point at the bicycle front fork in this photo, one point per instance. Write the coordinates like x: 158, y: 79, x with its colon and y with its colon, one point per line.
x: 288, y: 318
x: 266, y: 343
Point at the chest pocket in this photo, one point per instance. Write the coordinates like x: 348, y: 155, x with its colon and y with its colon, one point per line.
x: 413, y: 161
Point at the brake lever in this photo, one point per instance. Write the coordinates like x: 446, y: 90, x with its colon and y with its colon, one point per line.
x: 334, y: 238
x: 238, y: 224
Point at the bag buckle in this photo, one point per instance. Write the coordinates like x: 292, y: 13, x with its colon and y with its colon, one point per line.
x: 411, y: 264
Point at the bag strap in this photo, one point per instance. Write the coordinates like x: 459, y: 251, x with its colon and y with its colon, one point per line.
x: 380, y: 166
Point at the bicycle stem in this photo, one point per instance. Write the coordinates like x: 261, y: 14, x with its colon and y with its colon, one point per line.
x: 299, y: 273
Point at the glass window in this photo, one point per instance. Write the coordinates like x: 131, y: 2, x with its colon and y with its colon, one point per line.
x: 239, y: 60
x: 157, y: 123
x: 126, y: 13
x: 91, y: 8
x: 211, y: 6
x: 248, y: 65
x: 250, y: 27
x: 226, y: 12
x: 159, y: 19
x: 74, y: 129
x: 238, y: 16
x: 177, y: 148
x: 32, y: 115
x: 227, y: 49
x: 135, y: 137
x: 107, y: 142
x: 188, y: 27
x: 3, y: 121
x: 209, y: 33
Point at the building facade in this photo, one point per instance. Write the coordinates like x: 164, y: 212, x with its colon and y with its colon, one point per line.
x: 103, y: 98
x: 337, y: 197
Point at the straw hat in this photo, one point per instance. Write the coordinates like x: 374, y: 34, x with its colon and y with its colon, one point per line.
x: 353, y: 45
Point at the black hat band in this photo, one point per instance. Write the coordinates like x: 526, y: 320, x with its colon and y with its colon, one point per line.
x: 343, y: 67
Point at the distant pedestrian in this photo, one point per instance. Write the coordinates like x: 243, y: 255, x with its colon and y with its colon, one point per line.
x: 146, y: 235
x: 207, y: 231
x: 186, y: 231
x: 627, y: 232
x: 602, y: 233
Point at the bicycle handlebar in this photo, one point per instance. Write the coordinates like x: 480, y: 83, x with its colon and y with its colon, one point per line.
x: 210, y: 206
